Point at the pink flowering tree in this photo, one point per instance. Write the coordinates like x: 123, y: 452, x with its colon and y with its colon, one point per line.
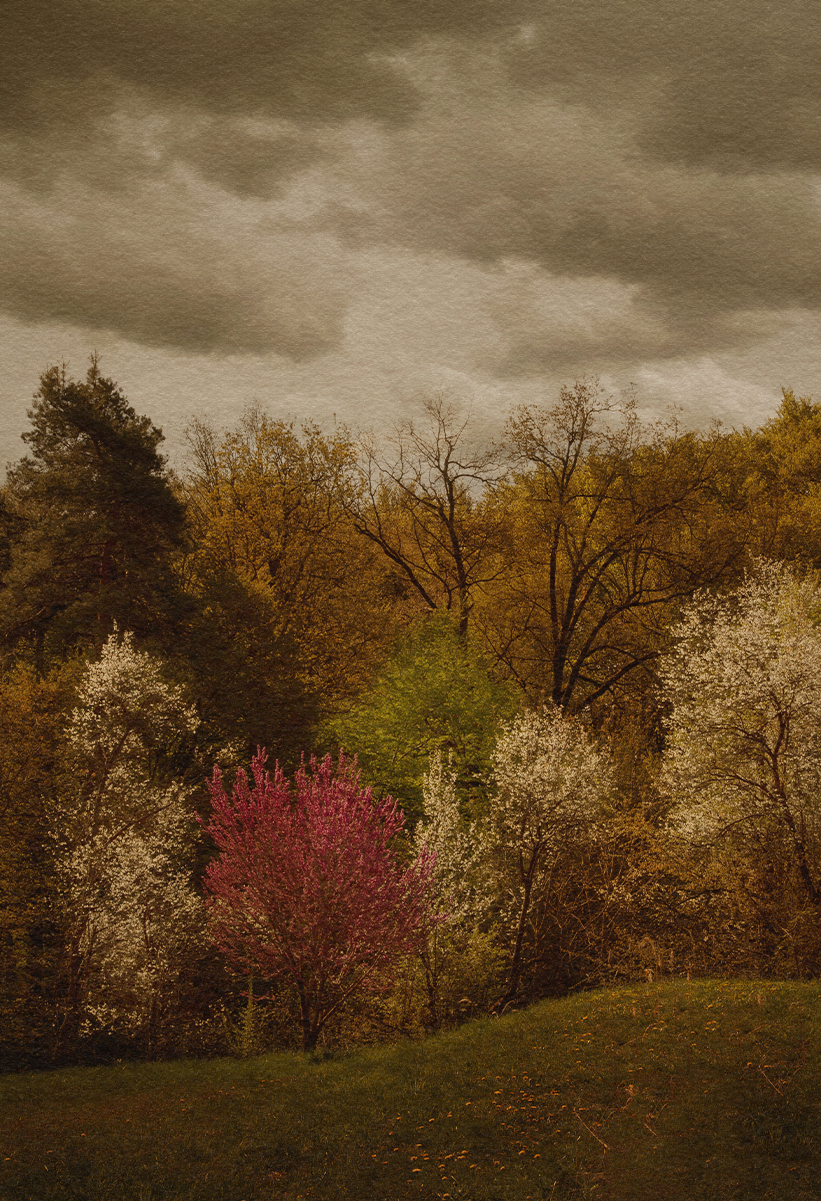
x: 307, y: 887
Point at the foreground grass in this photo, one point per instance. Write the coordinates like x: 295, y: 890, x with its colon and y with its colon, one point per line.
x: 678, y: 1090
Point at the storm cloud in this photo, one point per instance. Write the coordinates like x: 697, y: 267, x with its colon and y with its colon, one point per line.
x: 579, y: 185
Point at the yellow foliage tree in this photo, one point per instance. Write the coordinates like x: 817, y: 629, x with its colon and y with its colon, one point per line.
x: 267, y: 507
x: 612, y: 525
x: 783, y: 482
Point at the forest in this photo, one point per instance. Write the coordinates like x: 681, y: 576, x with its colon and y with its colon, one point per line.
x: 332, y: 738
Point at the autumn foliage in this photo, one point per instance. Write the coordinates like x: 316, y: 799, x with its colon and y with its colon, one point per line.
x: 586, y: 658
x: 307, y: 886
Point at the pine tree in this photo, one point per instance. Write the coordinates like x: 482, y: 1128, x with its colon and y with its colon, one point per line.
x: 89, y: 520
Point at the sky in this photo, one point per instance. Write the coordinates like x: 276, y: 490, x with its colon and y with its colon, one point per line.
x: 336, y: 208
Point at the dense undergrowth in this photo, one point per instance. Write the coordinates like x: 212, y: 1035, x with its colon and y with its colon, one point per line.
x: 673, y: 1090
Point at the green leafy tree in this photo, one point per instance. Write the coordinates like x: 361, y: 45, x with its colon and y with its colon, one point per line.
x: 436, y: 693
x: 90, y: 522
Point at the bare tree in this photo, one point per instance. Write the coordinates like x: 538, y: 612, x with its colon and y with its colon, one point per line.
x: 429, y: 502
x: 614, y: 524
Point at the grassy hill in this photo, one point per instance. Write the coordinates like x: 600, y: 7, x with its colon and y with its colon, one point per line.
x: 674, y: 1090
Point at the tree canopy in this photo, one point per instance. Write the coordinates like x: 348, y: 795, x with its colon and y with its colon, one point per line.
x: 561, y: 653
x: 614, y: 525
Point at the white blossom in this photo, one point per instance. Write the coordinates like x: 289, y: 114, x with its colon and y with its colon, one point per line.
x: 457, y: 878
x: 550, y: 783
x: 743, y: 759
x: 550, y: 786
x: 124, y: 836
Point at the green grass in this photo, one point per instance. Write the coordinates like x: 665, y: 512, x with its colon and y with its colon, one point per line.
x: 675, y: 1090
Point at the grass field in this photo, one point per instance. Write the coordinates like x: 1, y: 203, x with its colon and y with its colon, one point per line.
x: 675, y: 1090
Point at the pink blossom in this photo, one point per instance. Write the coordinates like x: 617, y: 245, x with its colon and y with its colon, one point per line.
x: 307, y: 886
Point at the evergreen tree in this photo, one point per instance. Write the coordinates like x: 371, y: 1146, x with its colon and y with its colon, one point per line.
x: 32, y: 717
x: 89, y: 520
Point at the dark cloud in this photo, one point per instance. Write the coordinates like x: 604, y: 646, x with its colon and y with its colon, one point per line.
x: 271, y: 57
x: 94, y: 261
x: 704, y: 245
x: 737, y: 79
x: 663, y: 146
x: 736, y: 83
x: 244, y: 157
x: 565, y: 187
x: 620, y: 339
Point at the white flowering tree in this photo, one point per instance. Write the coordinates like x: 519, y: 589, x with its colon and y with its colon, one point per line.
x: 460, y: 960
x: 550, y: 786
x: 124, y: 833
x: 743, y: 760
x: 457, y: 884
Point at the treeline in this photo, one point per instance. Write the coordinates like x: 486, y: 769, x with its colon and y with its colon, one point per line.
x: 413, y: 600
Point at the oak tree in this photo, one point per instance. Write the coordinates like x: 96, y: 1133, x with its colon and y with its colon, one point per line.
x: 279, y: 572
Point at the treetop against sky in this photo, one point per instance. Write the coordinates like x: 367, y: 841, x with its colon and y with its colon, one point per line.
x: 336, y: 208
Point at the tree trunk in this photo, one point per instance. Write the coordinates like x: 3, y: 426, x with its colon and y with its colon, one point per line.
x: 516, y: 962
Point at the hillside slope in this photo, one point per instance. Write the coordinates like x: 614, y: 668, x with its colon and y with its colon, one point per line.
x: 676, y: 1090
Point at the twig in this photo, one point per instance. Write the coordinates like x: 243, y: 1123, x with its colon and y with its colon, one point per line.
x: 769, y: 1081
x: 593, y: 1132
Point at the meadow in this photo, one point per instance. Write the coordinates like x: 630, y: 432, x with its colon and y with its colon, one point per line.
x: 672, y: 1090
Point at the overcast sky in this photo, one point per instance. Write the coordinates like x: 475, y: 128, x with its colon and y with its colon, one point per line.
x: 339, y: 206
